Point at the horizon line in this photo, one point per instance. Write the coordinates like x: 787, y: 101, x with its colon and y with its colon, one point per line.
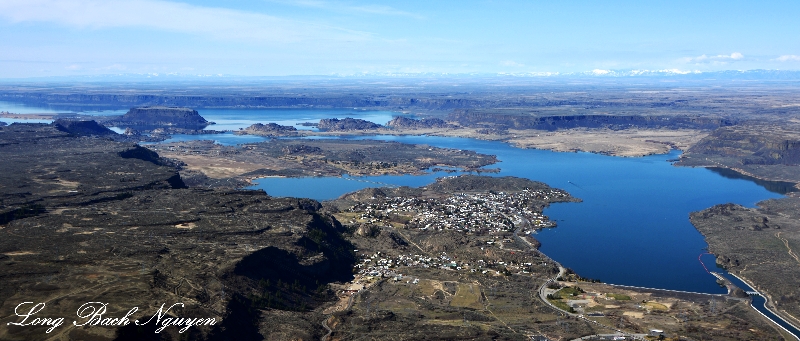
x: 596, y: 73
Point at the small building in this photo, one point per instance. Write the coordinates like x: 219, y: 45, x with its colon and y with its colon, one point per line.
x: 539, y: 338
x: 578, y: 304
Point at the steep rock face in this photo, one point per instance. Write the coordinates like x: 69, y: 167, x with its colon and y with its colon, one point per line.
x: 269, y: 129
x: 521, y: 121
x: 410, y: 123
x: 82, y: 127
x: 335, y: 124
x: 752, y: 146
x: 145, y: 118
x: 333, y: 100
x: 256, y: 101
x: 767, y: 152
x: 167, y: 115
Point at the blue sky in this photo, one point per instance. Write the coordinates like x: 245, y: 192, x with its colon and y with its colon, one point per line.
x: 319, y: 37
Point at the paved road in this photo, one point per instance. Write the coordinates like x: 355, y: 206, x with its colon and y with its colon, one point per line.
x: 330, y: 331
x: 641, y: 336
x: 561, y: 272
x: 350, y: 302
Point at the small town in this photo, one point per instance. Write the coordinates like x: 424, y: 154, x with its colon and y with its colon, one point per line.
x: 382, y: 265
x: 494, y: 215
x: 479, y: 213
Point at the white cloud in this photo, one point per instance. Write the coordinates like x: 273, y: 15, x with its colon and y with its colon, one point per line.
x: 114, y: 67
x: 788, y: 58
x: 599, y: 72
x: 219, y: 23
x: 511, y: 63
x: 344, y: 7
x: 661, y: 71
x: 720, y: 58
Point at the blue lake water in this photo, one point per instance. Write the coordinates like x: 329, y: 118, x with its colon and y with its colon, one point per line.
x: 227, y: 139
x: 225, y: 119
x: 18, y: 108
x: 632, y: 227
x: 228, y: 119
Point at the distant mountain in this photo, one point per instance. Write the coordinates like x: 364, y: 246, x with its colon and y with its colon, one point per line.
x: 683, y: 74
x: 222, y: 78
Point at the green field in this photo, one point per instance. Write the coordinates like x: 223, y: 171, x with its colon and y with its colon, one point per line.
x: 619, y: 297
x: 467, y: 295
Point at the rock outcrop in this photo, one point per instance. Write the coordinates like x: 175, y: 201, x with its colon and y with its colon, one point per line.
x: 148, y: 118
x: 269, y: 129
x: 410, y: 123
x: 768, y: 152
x: 347, y: 124
x: 764, y: 146
x: 82, y: 127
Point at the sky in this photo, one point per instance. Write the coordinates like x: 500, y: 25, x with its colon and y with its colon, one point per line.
x: 44, y: 38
